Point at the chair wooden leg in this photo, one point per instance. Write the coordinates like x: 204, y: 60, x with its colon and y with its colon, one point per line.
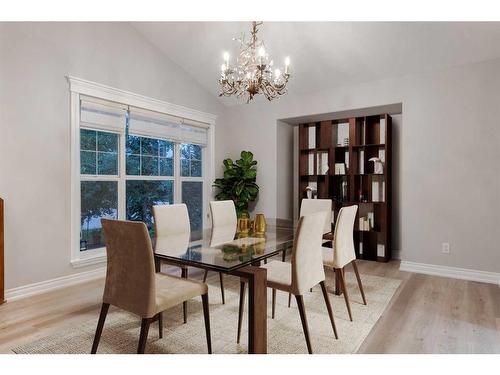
x: 240, y: 310
x: 289, y: 299
x: 360, y: 285
x: 303, y: 318
x: 100, y: 325
x: 274, y: 303
x: 143, y: 337
x: 340, y: 273
x: 206, y: 315
x: 329, y: 308
x: 205, y: 276
x: 283, y: 255
x: 222, y: 287
x: 184, y: 275
x: 160, y: 325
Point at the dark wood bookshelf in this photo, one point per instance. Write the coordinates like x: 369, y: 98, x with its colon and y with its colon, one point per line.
x: 368, y: 136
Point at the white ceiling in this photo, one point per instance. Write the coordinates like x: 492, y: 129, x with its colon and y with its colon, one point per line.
x: 328, y: 54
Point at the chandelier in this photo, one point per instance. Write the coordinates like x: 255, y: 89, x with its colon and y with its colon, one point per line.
x: 253, y: 73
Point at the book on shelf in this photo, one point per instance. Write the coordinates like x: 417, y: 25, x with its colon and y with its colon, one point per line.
x: 342, y: 134
x: 371, y: 220
x: 312, y: 136
x: 340, y: 169
x: 310, y: 164
x: 381, y: 155
x: 378, y: 191
x: 382, y: 130
x: 362, y: 132
x: 380, y: 250
x: 362, y: 161
x: 322, y: 163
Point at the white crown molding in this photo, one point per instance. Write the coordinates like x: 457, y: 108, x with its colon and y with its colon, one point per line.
x: 453, y: 272
x: 49, y: 285
x: 82, y: 86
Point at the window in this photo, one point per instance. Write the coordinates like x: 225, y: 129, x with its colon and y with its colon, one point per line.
x: 99, y: 184
x: 149, y: 156
x: 190, y: 160
x: 126, y: 159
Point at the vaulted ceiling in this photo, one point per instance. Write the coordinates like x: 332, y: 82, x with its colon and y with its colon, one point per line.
x: 328, y: 54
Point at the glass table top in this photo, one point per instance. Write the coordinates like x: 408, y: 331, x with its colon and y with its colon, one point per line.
x: 224, y: 249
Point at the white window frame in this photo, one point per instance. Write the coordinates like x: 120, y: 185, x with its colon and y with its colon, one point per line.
x: 80, y: 87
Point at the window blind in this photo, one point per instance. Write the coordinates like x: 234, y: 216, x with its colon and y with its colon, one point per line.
x: 101, y: 114
x: 149, y: 123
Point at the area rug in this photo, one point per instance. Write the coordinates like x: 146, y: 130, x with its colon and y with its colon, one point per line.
x: 285, y: 335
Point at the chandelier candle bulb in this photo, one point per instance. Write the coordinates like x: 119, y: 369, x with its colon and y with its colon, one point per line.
x: 287, y: 64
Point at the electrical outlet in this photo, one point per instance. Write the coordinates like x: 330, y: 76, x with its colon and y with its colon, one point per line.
x: 445, y: 248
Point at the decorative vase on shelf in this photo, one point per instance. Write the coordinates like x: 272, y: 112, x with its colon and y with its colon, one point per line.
x: 378, y: 167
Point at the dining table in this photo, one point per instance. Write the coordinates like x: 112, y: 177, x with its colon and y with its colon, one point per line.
x: 225, y: 250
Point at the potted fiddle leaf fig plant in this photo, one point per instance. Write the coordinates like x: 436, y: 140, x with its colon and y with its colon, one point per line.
x: 238, y: 183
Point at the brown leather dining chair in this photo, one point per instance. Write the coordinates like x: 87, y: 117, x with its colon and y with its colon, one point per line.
x: 133, y: 285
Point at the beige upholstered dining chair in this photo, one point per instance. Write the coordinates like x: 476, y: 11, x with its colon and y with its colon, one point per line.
x: 172, y: 220
x: 343, y: 251
x: 310, y: 206
x: 223, y: 216
x: 305, y: 270
x: 133, y: 285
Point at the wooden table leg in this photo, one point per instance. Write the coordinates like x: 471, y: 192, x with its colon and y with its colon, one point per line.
x: 257, y: 308
x: 157, y: 265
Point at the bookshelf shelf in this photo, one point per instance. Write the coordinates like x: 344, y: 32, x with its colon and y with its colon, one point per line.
x: 349, y: 144
x: 382, y: 145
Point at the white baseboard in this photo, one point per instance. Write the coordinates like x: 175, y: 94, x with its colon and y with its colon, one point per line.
x: 49, y: 285
x: 453, y: 272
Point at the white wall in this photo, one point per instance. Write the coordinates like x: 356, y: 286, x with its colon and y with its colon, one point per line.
x: 35, y: 126
x: 285, y: 173
x: 449, y: 149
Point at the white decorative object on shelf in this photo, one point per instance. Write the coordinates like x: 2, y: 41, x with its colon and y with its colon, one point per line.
x: 378, y: 167
x: 311, y: 191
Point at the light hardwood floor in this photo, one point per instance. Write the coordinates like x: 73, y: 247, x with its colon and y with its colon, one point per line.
x: 428, y: 314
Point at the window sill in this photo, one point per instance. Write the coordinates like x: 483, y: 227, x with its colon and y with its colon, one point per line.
x: 84, y: 262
